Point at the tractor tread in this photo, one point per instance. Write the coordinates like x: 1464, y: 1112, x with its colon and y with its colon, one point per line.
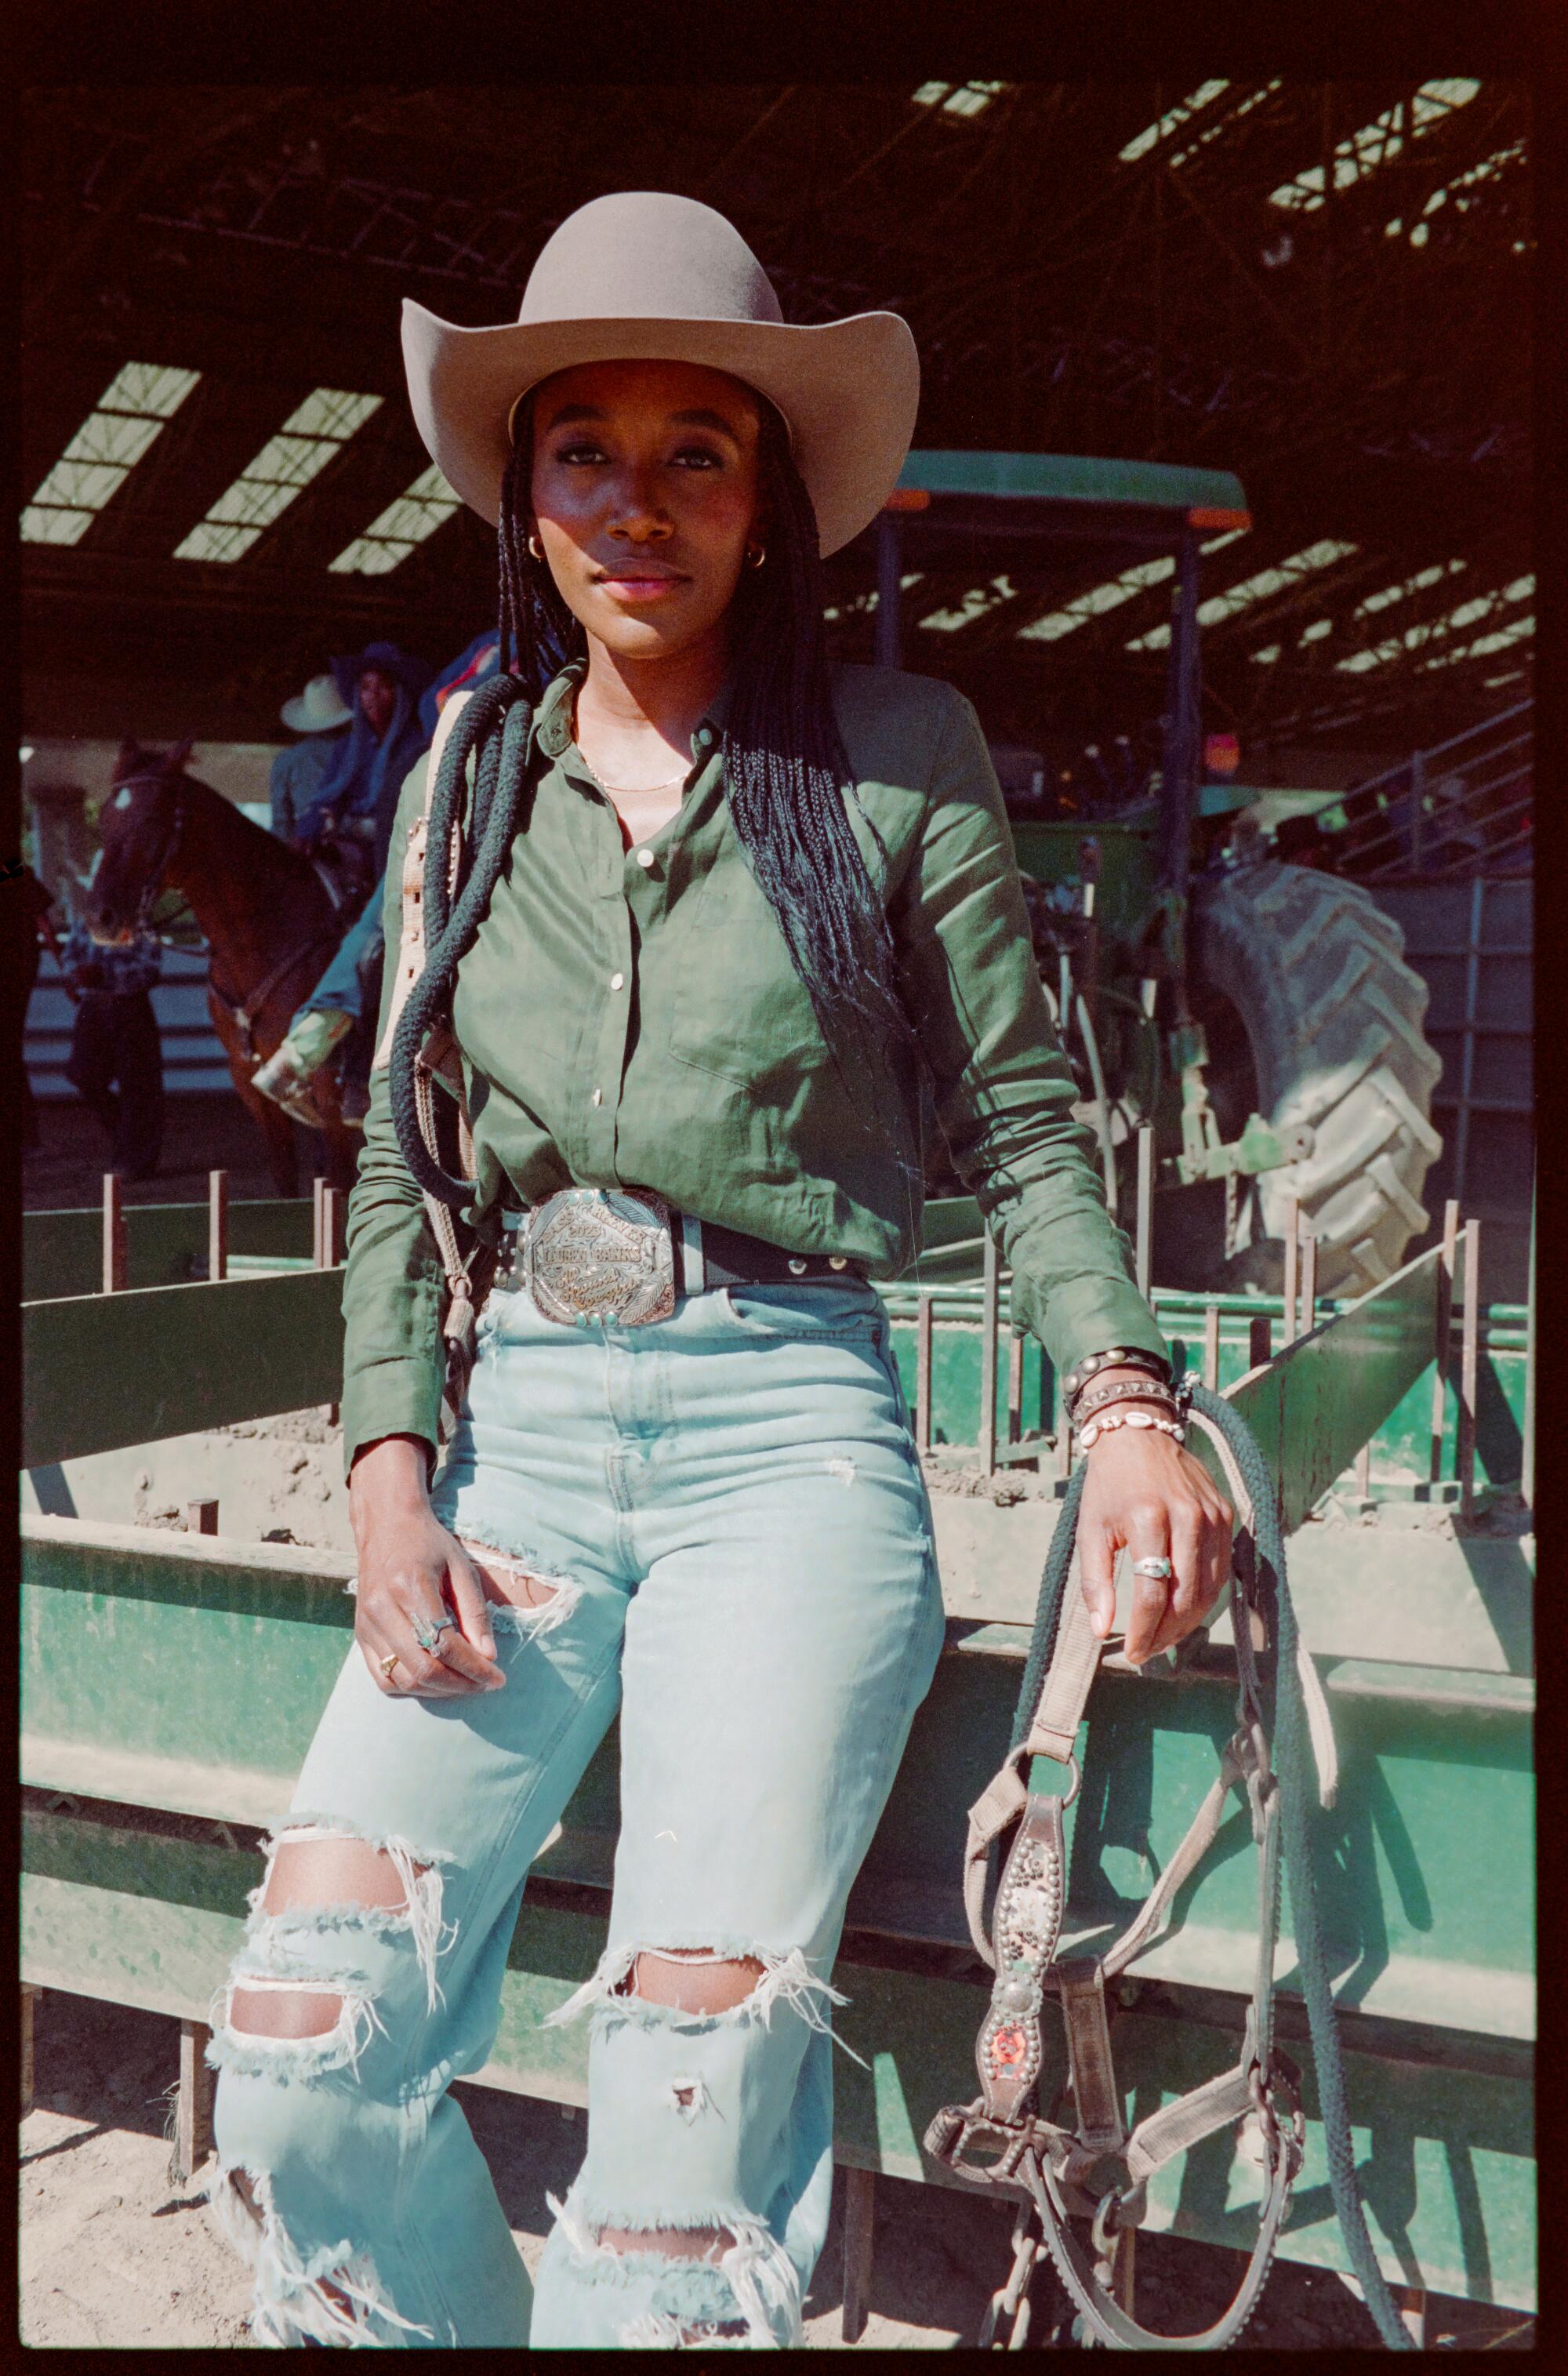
x: 1335, y: 1017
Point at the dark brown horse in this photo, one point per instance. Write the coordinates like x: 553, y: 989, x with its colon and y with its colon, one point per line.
x: 266, y: 912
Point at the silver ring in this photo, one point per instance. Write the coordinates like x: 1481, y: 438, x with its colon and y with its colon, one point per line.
x: 1156, y: 1567
x: 427, y: 1636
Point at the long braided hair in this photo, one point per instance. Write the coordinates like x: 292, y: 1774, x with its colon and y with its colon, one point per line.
x: 788, y: 780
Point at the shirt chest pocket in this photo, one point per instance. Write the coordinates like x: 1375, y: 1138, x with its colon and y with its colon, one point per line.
x: 738, y: 1007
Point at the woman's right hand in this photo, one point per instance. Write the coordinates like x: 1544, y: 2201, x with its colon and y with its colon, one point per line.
x: 412, y: 1574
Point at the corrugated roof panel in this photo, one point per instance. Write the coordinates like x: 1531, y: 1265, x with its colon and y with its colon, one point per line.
x: 98, y: 461
x: 405, y: 523
x: 314, y: 432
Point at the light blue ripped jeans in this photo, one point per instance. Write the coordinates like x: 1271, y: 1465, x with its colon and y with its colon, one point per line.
x: 731, y: 1510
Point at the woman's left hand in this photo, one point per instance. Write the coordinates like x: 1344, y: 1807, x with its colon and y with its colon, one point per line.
x: 1145, y: 1495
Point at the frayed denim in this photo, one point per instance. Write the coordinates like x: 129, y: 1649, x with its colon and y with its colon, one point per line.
x: 728, y: 1515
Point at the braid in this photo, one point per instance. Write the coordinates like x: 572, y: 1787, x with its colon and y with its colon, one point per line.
x: 791, y: 788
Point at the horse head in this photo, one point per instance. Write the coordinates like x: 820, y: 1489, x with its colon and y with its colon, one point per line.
x: 139, y: 829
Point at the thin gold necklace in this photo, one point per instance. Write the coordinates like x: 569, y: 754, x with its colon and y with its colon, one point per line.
x: 605, y: 785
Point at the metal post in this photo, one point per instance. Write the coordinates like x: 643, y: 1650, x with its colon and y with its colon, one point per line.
x: 860, y: 2238
x: 30, y: 2001
x: 114, y: 1235
x: 326, y: 1201
x: 1468, y: 1364
x: 1417, y: 808
x: 1015, y: 1388
x: 193, y: 2109
x: 923, y: 1312
x: 1363, y: 1476
x: 1260, y: 1347
x: 1292, y: 1267
x: 218, y: 1225
x: 1211, y: 1349
x: 889, y: 555
x: 1309, y: 1281
x: 1467, y: 1051
x: 317, y: 1186
x: 1145, y: 1238
x: 1527, y: 1469
x: 1063, y: 1445
x: 1445, y: 1333
x: 990, y: 1319
x: 1179, y: 756
x: 201, y: 1518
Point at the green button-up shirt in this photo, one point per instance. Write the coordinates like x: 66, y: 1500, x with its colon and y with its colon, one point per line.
x: 633, y: 1019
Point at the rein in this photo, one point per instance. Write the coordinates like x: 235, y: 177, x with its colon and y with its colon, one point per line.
x: 1092, y: 2167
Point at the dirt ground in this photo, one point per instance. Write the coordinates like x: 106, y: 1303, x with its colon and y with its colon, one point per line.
x: 115, y: 2256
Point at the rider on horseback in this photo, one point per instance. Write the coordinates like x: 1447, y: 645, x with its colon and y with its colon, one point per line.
x: 348, y: 992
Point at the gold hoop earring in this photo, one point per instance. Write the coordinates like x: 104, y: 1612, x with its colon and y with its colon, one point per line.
x: 534, y: 549
x: 755, y: 555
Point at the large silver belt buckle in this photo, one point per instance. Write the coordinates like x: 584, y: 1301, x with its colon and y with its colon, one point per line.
x: 600, y: 1253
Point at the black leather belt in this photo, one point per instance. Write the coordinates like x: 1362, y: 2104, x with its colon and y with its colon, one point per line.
x: 624, y: 1254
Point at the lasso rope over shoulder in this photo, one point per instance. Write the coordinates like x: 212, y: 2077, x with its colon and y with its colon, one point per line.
x: 458, y: 884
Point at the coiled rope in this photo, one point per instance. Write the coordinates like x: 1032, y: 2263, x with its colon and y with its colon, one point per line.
x: 461, y: 870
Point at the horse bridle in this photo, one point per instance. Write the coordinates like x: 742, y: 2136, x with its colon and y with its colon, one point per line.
x: 154, y: 883
x: 244, y: 1013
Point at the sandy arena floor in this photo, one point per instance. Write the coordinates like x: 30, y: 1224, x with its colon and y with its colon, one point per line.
x: 114, y: 2257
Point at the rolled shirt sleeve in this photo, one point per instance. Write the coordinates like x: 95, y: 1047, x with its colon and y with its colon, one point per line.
x: 1003, y: 1087
x: 393, y: 1286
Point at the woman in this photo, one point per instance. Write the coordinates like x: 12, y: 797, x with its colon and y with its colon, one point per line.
x: 360, y: 791
x: 754, y: 910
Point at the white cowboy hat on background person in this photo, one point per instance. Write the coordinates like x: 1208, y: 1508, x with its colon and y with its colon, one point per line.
x: 649, y: 273
x: 316, y: 711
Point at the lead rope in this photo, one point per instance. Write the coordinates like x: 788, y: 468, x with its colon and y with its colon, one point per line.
x: 442, y: 915
x: 1049, y: 2161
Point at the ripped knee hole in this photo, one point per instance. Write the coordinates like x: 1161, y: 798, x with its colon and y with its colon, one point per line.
x: 691, y: 1980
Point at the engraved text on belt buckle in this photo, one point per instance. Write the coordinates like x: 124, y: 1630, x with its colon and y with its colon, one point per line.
x: 600, y: 1253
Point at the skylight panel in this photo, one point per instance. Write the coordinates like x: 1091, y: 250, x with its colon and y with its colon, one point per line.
x: 116, y: 433
x: 314, y: 432
x: 1375, y: 144
x: 1172, y: 121
x: 1432, y: 631
x: 1416, y: 585
x: 1515, y: 633
x: 1099, y: 599
x: 1255, y: 99
x: 958, y: 98
x: 974, y: 606
x: 1257, y: 588
x: 394, y: 533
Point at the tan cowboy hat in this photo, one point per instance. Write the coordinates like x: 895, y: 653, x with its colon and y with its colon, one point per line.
x: 316, y: 711
x: 647, y: 272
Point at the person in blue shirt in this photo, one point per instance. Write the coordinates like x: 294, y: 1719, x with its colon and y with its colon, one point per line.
x: 358, y: 798
x: 116, y: 1060
x: 348, y: 991
x: 319, y: 716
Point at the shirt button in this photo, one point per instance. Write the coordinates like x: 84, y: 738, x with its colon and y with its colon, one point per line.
x: 599, y: 1096
x: 617, y: 982
x: 645, y: 858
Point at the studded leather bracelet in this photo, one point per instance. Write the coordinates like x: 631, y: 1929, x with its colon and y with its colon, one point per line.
x: 1117, y: 1357
x: 1124, y: 1390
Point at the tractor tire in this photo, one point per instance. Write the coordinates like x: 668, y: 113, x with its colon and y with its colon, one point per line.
x: 1333, y: 1018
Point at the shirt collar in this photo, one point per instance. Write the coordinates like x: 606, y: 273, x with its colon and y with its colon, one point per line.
x: 553, y: 723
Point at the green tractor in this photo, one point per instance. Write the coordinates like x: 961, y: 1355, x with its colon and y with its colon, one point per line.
x: 1257, y: 1013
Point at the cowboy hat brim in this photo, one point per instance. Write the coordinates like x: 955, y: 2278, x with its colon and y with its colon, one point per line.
x: 849, y: 391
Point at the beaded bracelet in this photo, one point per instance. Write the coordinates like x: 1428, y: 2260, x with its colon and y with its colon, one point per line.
x: 1119, y: 1357
x: 1124, y: 1390
x: 1098, y: 1427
